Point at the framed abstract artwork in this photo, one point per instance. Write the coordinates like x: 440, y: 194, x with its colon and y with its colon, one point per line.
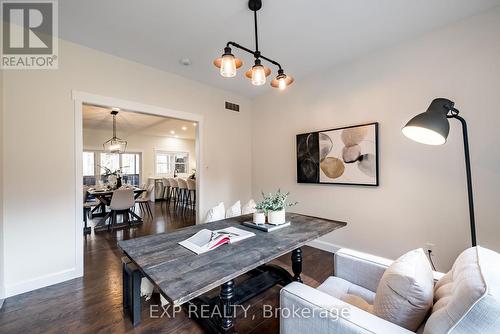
x: 347, y: 155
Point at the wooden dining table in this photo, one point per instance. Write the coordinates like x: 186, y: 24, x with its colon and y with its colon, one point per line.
x: 104, y: 197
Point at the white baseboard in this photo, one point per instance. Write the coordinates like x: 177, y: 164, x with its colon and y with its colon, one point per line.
x: 324, y: 245
x: 40, y: 282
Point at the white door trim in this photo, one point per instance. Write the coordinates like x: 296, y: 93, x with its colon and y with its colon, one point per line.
x: 79, y: 99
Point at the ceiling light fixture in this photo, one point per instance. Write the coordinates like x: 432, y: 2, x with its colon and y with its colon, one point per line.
x: 172, y: 132
x: 184, y: 128
x: 228, y: 63
x: 115, y: 144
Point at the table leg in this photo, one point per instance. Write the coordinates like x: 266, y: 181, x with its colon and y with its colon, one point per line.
x: 227, y: 309
x: 297, y: 264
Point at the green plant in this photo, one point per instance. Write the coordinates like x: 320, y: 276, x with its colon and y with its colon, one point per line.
x: 274, y: 202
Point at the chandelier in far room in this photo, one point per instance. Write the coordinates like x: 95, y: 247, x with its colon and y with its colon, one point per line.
x: 115, y: 144
x: 228, y: 63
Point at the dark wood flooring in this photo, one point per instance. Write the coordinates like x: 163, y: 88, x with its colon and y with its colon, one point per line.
x: 93, y: 304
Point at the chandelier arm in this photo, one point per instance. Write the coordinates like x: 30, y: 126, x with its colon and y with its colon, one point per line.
x: 256, y: 54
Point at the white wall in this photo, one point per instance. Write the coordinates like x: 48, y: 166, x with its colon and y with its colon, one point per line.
x: 145, y: 144
x: 422, y: 194
x: 39, y: 157
x: 1, y: 193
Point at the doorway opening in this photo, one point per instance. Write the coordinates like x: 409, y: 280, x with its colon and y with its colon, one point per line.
x: 145, y: 154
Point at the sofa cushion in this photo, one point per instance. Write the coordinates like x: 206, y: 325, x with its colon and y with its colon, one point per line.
x: 234, y: 210
x: 216, y: 213
x: 405, y: 292
x: 467, y: 298
x: 339, y: 288
x: 249, y: 207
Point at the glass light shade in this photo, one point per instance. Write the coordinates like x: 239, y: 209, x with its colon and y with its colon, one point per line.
x: 115, y: 145
x: 258, y: 75
x: 282, y: 83
x: 228, y: 66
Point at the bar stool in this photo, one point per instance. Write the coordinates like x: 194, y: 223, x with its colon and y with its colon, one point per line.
x: 183, y: 192
x: 166, y: 192
x: 174, y: 187
x: 191, y: 190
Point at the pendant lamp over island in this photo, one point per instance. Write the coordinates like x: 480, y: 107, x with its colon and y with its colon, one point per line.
x: 228, y: 63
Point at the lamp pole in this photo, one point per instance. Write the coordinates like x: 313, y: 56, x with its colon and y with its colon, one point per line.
x: 469, y: 176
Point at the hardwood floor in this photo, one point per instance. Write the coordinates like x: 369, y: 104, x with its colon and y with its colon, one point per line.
x: 93, y: 304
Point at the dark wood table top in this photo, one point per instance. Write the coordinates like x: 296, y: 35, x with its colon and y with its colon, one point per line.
x: 181, y: 275
x: 95, y: 192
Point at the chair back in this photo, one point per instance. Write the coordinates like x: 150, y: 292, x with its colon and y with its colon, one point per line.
x: 191, y: 184
x: 173, y: 183
x: 182, y: 183
x: 85, y: 193
x: 165, y: 182
x: 122, y: 199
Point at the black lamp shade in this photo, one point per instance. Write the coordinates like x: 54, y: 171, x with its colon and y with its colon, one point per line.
x: 431, y: 127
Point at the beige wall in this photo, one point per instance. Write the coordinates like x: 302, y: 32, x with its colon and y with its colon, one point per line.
x: 422, y: 193
x: 39, y: 157
x: 145, y: 144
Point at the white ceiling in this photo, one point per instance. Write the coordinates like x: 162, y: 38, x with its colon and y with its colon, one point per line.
x: 304, y: 36
x: 129, y: 123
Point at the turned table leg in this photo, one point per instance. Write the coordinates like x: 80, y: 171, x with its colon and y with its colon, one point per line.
x: 297, y: 264
x: 227, y: 309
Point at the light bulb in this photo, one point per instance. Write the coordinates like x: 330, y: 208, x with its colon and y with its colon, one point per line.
x: 258, y: 75
x: 228, y: 66
x: 282, y: 83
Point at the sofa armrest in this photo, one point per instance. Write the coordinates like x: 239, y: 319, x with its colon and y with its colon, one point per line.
x: 359, y: 268
x: 307, y: 310
x: 363, y: 269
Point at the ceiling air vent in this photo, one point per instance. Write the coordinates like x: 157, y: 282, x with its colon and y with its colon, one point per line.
x: 233, y: 106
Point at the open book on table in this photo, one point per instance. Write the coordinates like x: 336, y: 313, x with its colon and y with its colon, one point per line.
x: 206, y: 240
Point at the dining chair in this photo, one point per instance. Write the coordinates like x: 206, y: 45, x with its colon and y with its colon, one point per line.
x: 183, y: 192
x: 87, y: 206
x: 191, y: 191
x: 121, y: 202
x: 143, y: 201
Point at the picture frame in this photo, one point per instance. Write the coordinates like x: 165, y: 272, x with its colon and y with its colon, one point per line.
x: 343, y: 156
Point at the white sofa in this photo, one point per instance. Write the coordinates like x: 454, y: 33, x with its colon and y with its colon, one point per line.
x: 467, y: 299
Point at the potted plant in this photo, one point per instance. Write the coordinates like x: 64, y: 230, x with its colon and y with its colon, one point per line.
x: 274, y: 205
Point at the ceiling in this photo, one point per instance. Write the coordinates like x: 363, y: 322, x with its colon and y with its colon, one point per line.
x: 129, y: 123
x: 304, y: 36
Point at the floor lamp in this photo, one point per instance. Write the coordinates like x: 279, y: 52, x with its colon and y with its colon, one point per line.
x: 432, y: 128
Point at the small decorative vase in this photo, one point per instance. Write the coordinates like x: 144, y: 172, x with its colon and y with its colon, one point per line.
x: 276, y: 217
x: 259, y: 218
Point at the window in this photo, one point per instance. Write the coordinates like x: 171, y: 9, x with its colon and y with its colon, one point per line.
x: 95, y: 162
x: 168, y: 162
x: 88, y: 168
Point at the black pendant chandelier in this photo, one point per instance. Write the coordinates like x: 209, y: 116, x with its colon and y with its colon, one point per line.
x: 115, y: 144
x: 228, y: 63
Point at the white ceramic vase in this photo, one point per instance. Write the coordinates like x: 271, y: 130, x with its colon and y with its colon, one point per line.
x: 259, y: 218
x: 276, y: 217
